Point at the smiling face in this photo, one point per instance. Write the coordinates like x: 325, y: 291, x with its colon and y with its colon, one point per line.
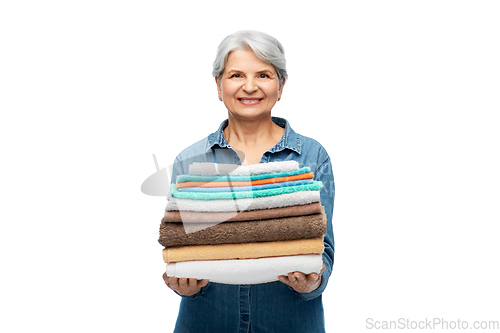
x: 249, y: 86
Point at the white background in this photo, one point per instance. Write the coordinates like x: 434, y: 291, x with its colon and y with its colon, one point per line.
x: 404, y: 95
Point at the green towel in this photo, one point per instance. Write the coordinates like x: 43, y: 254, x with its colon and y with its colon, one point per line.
x: 195, y: 178
x: 315, y: 186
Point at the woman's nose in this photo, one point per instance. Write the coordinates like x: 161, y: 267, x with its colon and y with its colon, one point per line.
x: 249, y: 86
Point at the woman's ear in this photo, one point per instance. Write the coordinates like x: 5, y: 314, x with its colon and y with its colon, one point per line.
x: 219, y: 88
x: 280, y: 89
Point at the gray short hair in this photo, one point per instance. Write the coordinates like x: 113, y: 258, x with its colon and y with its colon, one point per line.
x: 264, y: 46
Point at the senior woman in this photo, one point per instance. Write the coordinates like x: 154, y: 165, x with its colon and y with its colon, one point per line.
x: 250, y: 74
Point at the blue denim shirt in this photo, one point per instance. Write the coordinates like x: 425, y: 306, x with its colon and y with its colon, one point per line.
x: 268, y: 307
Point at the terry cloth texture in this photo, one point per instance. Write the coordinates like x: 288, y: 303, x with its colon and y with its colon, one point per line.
x: 314, y: 186
x: 231, y: 183
x: 247, y: 204
x: 246, y: 188
x: 244, y: 251
x: 285, y: 228
x: 263, y: 214
x: 219, y: 169
x: 246, y: 271
x: 232, y: 178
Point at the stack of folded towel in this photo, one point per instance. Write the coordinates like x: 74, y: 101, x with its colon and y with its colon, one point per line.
x: 243, y: 224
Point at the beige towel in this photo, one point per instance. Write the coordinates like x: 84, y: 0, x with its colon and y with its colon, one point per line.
x: 244, y: 250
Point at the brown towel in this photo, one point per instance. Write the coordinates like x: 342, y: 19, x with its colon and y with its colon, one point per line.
x: 244, y: 251
x: 263, y: 214
x: 285, y: 228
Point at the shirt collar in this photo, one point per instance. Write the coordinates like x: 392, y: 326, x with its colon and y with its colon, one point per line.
x: 289, y: 140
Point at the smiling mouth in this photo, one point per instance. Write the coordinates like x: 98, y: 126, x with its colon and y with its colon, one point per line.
x: 249, y: 100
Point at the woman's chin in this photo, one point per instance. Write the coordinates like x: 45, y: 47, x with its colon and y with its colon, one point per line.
x: 248, y: 114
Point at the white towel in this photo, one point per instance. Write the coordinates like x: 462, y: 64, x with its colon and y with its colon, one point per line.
x: 218, y: 169
x: 246, y: 271
x: 274, y: 201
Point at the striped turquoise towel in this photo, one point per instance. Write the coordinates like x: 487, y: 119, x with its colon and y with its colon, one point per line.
x: 315, y: 186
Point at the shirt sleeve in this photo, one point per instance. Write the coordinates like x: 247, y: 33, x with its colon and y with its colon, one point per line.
x: 324, y: 174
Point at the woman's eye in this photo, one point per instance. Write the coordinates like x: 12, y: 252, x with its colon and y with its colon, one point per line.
x: 263, y: 76
x: 236, y: 75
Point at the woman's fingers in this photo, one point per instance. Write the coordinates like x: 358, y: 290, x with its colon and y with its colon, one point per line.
x: 202, y: 283
x: 170, y: 281
x: 173, y: 283
x: 184, y: 286
x: 301, y: 282
x: 183, y: 282
x: 313, y: 277
x: 283, y: 279
x: 300, y: 278
x: 192, y: 283
x: 167, y: 280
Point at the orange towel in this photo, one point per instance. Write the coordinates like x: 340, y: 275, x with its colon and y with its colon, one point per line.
x: 244, y: 250
x: 308, y: 175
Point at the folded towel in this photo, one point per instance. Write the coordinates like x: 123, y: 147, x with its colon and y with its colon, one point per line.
x: 234, y: 184
x: 247, y: 204
x: 246, y: 188
x: 284, y: 228
x: 215, y: 169
x: 244, y: 250
x: 246, y: 271
x: 232, y: 178
x: 314, y: 186
x: 262, y: 214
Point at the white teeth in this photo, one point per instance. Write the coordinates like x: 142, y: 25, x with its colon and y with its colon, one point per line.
x: 249, y: 100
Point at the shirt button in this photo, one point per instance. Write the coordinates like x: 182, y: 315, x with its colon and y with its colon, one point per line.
x: 244, y: 317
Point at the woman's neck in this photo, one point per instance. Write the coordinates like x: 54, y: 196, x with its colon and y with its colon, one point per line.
x: 252, y: 137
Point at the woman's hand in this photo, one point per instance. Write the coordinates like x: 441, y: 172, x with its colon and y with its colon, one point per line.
x: 302, y: 283
x: 184, y: 286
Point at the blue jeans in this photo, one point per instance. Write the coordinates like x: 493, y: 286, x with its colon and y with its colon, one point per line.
x: 268, y: 307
